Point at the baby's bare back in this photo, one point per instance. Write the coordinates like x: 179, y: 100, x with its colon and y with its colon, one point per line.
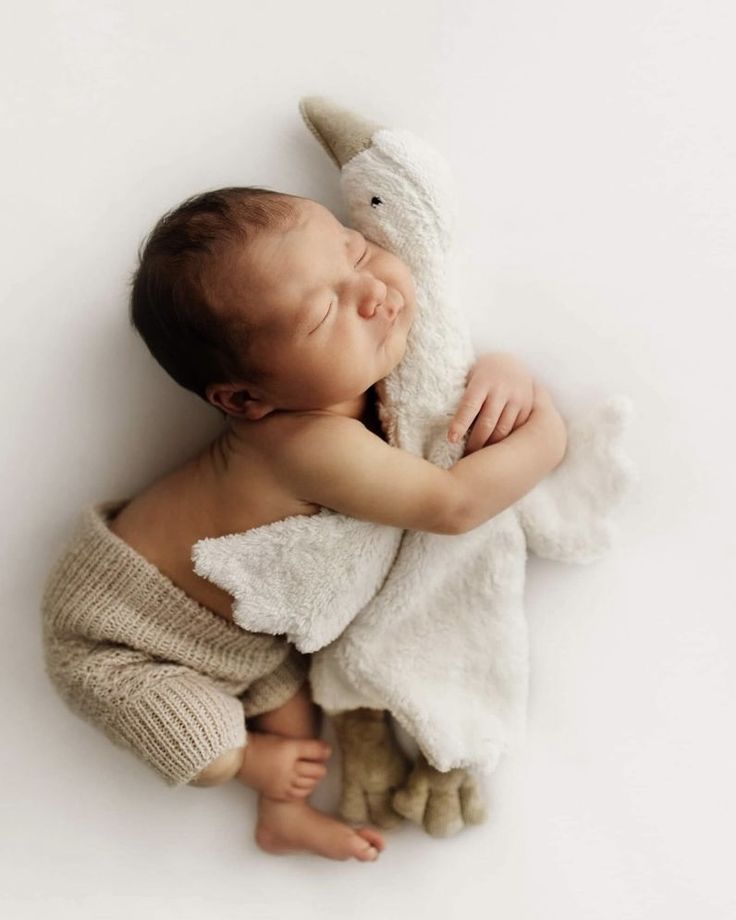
x: 234, y: 485
x: 212, y: 495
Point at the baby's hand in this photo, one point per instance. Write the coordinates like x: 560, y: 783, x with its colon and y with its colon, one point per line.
x: 281, y: 768
x: 502, y: 391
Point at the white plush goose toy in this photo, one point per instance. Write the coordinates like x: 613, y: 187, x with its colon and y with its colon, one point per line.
x: 428, y: 627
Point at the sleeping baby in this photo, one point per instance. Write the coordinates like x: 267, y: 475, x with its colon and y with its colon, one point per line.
x: 270, y: 309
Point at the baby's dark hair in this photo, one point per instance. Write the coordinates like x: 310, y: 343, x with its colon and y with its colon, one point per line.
x: 173, y: 299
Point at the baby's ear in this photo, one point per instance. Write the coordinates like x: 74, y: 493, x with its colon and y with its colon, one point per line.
x: 236, y: 400
x: 254, y: 409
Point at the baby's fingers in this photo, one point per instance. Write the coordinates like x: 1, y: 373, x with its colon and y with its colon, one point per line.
x: 466, y: 411
x: 506, y: 423
x: 523, y: 416
x: 486, y: 423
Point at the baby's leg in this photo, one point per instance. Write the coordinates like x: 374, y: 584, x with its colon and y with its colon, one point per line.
x: 282, y: 756
x: 298, y: 717
x: 291, y: 826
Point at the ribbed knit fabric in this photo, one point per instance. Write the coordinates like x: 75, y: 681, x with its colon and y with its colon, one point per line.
x: 159, y: 673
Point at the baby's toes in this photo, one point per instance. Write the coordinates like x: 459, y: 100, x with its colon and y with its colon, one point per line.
x: 313, y: 749
x: 372, y: 836
x: 362, y: 850
x: 306, y: 769
x: 303, y: 786
x: 366, y: 844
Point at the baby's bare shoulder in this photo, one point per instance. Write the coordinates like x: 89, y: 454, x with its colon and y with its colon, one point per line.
x: 330, y: 430
x: 338, y: 463
x: 311, y: 440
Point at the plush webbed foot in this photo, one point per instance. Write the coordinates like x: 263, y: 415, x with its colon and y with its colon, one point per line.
x: 442, y: 803
x: 373, y: 766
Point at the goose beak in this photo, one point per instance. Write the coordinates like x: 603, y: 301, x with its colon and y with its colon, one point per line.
x: 341, y: 132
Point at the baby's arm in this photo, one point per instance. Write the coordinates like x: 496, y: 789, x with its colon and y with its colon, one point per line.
x: 338, y: 463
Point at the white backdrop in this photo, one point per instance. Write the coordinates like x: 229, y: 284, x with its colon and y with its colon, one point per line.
x: 594, y: 147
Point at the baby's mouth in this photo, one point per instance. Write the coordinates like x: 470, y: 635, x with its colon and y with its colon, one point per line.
x: 399, y: 307
x: 392, y: 319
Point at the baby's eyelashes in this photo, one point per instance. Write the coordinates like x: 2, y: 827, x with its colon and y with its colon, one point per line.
x: 365, y: 253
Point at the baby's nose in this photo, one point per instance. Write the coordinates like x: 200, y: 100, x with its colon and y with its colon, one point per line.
x: 372, y: 297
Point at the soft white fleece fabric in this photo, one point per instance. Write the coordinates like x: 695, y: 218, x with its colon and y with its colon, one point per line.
x: 430, y: 627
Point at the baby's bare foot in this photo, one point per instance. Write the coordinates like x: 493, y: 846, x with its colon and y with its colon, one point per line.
x: 281, y: 768
x: 290, y: 827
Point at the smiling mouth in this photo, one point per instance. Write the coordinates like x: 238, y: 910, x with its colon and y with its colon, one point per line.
x: 398, y: 310
x: 392, y: 322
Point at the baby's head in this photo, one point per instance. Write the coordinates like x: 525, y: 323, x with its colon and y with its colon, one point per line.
x: 259, y: 301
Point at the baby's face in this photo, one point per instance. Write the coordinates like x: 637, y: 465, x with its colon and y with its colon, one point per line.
x: 332, y: 310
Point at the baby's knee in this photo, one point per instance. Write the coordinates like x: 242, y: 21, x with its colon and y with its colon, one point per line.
x: 221, y: 770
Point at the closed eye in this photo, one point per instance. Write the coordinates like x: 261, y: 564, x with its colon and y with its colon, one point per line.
x: 323, y: 319
x: 365, y: 253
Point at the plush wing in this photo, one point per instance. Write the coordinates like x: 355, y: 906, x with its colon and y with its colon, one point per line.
x: 306, y: 576
x: 567, y: 516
